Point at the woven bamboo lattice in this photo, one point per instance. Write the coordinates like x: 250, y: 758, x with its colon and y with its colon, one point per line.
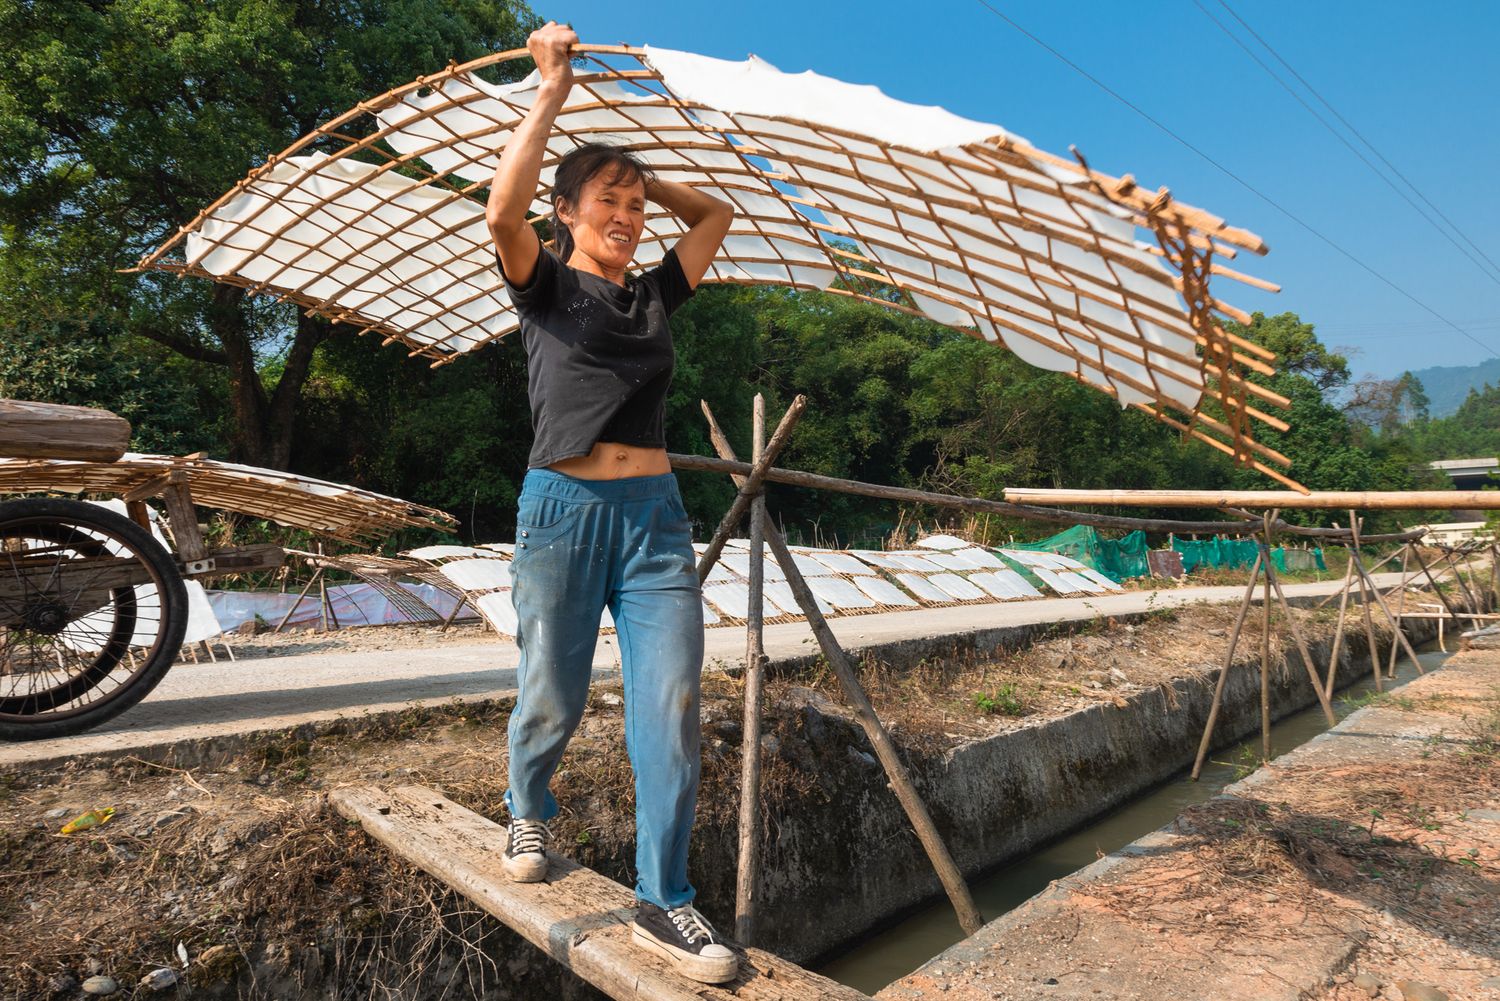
x: 376, y: 220
x: 332, y: 509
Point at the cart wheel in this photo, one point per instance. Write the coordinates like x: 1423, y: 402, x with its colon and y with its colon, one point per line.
x: 92, y: 613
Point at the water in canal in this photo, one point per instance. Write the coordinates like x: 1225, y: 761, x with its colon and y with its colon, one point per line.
x: 900, y: 949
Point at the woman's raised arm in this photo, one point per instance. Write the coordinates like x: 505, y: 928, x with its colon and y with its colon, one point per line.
x: 515, y: 183
x: 707, y: 218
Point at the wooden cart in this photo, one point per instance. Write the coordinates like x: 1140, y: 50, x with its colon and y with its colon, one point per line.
x: 92, y: 607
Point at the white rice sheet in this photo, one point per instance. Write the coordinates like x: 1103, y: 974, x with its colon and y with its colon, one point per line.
x: 843, y: 563
x: 839, y: 593
x: 884, y: 592
x: 779, y: 592
x: 740, y: 564
x: 995, y: 585
x: 482, y: 574
x: 444, y: 552
x: 876, y: 558
x: 942, y: 542
x: 498, y: 610
x: 1088, y: 573
x: 920, y: 586
x: 911, y: 561
x: 733, y: 599
x: 1061, y: 581
x: 957, y: 586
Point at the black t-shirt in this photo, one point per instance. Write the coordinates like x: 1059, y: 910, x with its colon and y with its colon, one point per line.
x: 598, y: 356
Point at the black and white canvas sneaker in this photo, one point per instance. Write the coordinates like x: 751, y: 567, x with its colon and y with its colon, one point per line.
x: 685, y: 937
x: 526, y: 851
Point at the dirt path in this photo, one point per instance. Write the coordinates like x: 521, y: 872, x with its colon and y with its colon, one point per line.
x: 311, y: 679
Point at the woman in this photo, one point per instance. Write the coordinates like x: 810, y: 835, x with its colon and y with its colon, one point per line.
x: 601, y: 523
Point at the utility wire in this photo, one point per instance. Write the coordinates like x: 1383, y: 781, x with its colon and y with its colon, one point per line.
x: 1231, y: 174
x: 1346, y: 123
x: 1488, y: 273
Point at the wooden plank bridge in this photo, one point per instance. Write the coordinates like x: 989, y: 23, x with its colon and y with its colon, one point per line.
x: 576, y: 916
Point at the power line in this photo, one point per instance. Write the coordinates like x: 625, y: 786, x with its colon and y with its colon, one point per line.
x: 1232, y: 175
x: 1346, y: 123
x: 1487, y: 271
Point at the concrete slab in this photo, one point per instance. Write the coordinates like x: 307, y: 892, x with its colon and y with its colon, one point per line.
x: 235, y: 699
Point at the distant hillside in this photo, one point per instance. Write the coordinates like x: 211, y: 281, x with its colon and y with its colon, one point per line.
x: 1447, y: 385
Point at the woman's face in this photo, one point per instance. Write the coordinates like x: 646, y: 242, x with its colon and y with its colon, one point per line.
x: 607, y: 221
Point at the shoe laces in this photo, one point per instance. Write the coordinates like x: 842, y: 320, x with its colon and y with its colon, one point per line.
x: 527, y: 837
x: 691, y: 924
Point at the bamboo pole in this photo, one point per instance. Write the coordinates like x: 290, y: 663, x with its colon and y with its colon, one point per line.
x: 1390, y: 666
x: 748, y: 872
x: 1307, y: 661
x: 1369, y: 500
x: 885, y: 750
x: 1416, y: 554
x: 979, y: 505
x: 1400, y: 637
x: 1265, y: 645
x: 1364, y: 597
x: 1338, y: 629
x: 298, y: 603
x: 1234, y: 639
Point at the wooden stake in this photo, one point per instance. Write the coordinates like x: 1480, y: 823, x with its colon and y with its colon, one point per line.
x: 1338, y: 630
x: 747, y: 877
x: 1390, y: 666
x: 1265, y: 645
x: 885, y: 750
x: 1312, y: 671
x: 1234, y: 639
x: 1416, y: 554
x: 298, y: 603
x: 1400, y: 637
x: 1355, y: 521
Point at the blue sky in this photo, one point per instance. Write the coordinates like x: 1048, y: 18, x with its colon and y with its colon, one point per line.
x: 1419, y: 81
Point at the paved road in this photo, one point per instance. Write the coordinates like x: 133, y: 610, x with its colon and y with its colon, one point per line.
x: 197, y: 701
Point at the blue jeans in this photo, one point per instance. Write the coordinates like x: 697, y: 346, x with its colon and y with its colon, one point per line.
x: 582, y: 545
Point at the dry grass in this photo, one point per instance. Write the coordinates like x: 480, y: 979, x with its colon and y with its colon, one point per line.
x: 940, y: 703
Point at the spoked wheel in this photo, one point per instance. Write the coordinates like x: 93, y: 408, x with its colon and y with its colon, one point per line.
x: 92, y: 613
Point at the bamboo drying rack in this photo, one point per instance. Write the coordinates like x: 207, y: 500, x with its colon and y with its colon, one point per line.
x: 332, y: 509
x: 995, y: 238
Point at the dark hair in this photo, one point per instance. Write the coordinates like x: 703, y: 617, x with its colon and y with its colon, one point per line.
x: 579, y: 166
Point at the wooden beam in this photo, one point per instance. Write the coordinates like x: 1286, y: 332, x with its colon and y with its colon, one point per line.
x: 30, y: 430
x: 578, y: 917
x: 980, y: 505
x: 1368, y: 500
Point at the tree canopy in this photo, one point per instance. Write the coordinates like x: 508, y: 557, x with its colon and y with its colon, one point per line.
x: 120, y: 121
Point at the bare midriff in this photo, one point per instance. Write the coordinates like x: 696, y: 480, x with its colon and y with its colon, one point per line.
x: 611, y: 461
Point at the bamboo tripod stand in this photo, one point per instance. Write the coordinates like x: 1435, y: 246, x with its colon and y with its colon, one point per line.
x: 1262, y: 573
x: 763, y: 532
x: 1358, y: 582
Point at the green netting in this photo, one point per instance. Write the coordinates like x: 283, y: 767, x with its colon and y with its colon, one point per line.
x: 1221, y: 553
x: 1217, y: 553
x: 1115, y: 558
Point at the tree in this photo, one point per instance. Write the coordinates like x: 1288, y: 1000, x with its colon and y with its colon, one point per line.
x: 120, y: 120
x: 1387, y: 405
x: 1298, y: 350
